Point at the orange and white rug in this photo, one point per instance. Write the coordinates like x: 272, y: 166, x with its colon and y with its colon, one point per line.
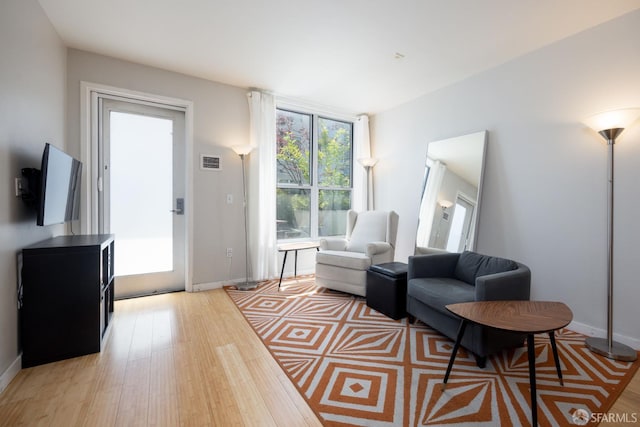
x: 356, y: 366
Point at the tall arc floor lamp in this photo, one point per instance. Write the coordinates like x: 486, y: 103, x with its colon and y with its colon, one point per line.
x: 610, y: 125
x: 243, y: 151
x: 368, y: 163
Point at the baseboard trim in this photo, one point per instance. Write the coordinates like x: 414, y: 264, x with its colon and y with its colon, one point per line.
x: 198, y: 287
x: 590, y: 331
x: 10, y: 373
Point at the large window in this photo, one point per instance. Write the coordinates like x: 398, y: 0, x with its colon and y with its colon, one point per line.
x: 315, y: 162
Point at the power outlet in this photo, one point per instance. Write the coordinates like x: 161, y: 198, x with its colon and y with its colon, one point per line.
x: 229, y: 252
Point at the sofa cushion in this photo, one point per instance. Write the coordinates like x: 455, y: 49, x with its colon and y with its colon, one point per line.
x: 472, y: 265
x: 370, y: 226
x: 436, y: 292
x: 352, y: 260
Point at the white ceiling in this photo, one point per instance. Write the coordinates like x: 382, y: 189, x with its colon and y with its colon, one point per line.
x: 338, y: 53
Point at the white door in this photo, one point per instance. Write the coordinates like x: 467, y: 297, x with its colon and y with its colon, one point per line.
x: 459, y: 232
x: 141, y: 158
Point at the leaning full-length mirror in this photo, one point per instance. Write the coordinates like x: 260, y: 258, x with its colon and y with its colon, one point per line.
x: 448, y: 217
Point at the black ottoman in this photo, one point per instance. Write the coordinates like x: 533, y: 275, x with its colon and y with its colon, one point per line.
x: 387, y: 289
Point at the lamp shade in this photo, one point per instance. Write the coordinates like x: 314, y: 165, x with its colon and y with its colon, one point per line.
x: 617, y: 119
x: 445, y: 204
x: 368, y: 162
x: 242, y: 149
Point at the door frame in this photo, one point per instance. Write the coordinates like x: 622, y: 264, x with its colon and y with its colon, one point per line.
x: 89, y: 134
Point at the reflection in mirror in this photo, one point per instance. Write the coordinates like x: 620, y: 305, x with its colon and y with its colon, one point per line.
x: 448, y: 217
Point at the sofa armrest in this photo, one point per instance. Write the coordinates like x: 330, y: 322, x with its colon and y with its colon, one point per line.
x: 508, y: 285
x: 375, y: 248
x: 432, y: 265
x: 333, y: 244
x: 421, y: 250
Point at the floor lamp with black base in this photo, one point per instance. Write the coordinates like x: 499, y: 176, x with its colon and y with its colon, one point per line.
x: 610, y: 125
x: 243, y: 151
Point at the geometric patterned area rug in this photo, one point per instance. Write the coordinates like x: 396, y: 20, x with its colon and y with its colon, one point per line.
x: 357, y: 367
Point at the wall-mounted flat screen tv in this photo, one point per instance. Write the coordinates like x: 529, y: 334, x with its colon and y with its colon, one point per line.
x: 59, y: 187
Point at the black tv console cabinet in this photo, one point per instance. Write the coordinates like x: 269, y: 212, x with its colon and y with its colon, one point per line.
x: 67, y: 297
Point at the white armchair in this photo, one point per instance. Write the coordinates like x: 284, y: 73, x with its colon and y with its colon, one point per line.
x: 342, y: 264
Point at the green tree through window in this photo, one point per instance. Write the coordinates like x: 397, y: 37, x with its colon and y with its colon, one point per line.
x: 310, y: 202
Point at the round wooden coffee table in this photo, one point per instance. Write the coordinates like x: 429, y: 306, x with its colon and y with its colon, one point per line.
x: 526, y: 317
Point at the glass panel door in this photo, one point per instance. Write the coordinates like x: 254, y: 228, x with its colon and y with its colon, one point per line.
x: 142, y: 161
x: 141, y: 197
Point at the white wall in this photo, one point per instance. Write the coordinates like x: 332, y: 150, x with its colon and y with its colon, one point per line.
x: 32, y: 112
x: 544, y: 195
x: 221, y: 120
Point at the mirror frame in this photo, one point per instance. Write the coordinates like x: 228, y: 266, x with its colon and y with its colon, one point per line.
x: 482, y: 140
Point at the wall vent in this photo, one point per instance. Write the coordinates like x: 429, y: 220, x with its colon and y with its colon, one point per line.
x: 210, y: 163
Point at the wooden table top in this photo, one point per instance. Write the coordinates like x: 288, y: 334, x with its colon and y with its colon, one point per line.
x: 296, y: 246
x: 531, y: 317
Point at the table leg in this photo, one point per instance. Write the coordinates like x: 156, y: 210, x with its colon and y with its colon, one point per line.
x: 295, y: 265
x: 532, y: 379
x: 554, y: 347
x: 463, y: 325
x: 284, y: 261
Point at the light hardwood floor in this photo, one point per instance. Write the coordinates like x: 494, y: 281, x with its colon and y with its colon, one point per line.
x: 174, y: 359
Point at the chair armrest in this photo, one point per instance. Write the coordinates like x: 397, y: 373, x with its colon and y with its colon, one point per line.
x: 432, y: 265
x: 508, y: 285
x: 333, y: 244
x: 375, y: 248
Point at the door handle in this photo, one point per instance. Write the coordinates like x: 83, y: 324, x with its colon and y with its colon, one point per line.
x: 179, y: 210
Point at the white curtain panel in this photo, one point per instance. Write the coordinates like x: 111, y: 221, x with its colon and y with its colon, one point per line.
x: 262, y: 186
x: 361, y: 150
x: 429, y: 202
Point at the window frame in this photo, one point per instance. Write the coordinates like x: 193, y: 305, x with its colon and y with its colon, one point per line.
x: 314, y: 186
